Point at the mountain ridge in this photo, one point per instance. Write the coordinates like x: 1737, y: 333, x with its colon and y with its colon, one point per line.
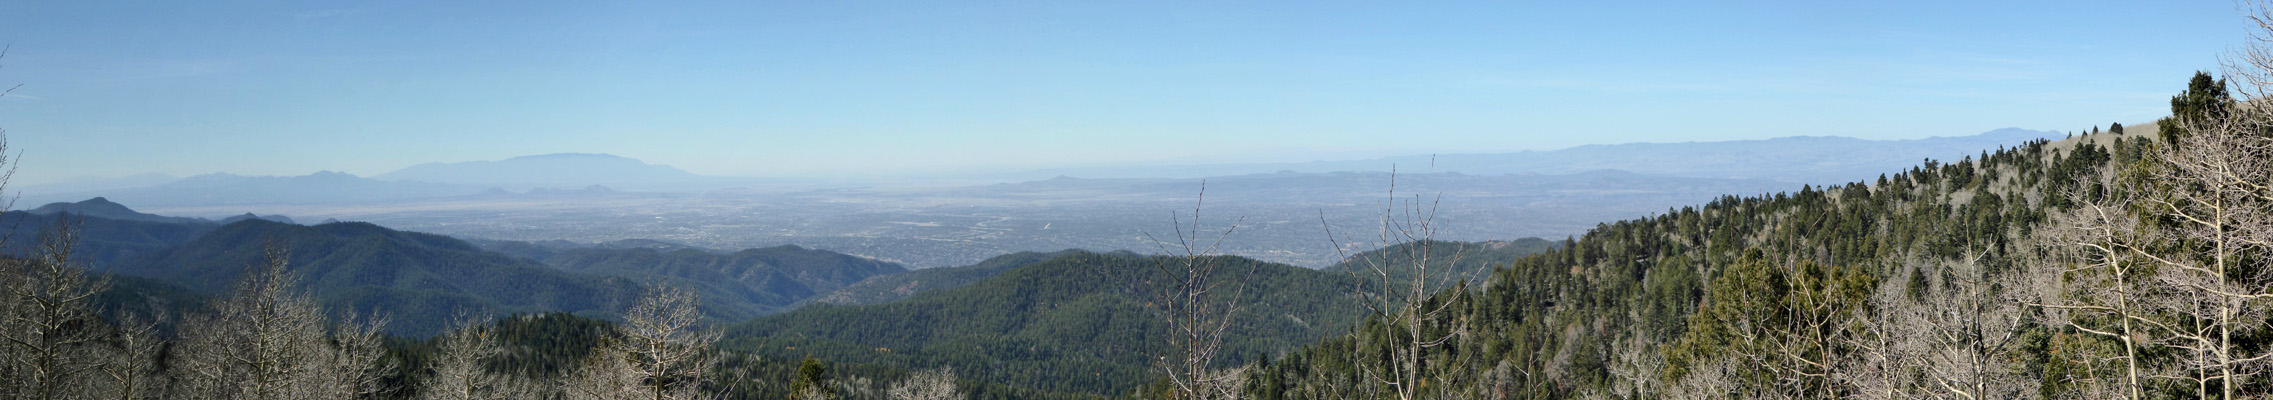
x: 104, y: 208
x: 560, y: 171
x: 1847, y: 160
x: 421, y: 279
x: 761, y: 281
x: 1077, y: 322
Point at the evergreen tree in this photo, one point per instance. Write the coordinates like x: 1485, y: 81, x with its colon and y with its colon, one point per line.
x: 812, y: 381
x: 2205, y: 98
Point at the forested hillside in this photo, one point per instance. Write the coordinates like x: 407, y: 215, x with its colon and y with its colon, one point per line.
x: 104, y: 208
x: 734, y: 286
x: 419, y: 280
x: 1946, y: 280
x: 889, y: 288
x: 105, y: 242
x: 1079, y: 322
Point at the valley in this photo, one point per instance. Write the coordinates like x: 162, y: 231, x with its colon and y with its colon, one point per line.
x: 1479, y: 197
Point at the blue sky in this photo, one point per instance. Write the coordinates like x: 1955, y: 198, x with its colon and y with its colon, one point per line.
x: 844, y: 87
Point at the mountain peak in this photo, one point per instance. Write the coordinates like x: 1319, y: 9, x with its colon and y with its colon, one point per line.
x: 571, y: 156
x: 250, y: 216
x: 104, y: 208
x: 559, y: 170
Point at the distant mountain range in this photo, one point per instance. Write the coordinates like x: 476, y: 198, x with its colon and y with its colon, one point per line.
x: 593, y: 198
x: 562, y: 171
x: 551, y: 175
x: 96, y: 184
x: 1805, y: 159
x: 1816, y: 160
x: 325, y: 187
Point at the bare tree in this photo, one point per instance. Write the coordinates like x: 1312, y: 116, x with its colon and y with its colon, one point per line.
x: 1971, y: 331
x: 607, y: 375
x: 1635, y: 363
x: 49, y: 326
x: 2174, y: 261
x: 938, y: 384
x: 1889, y: 348
x: 1502, y: 381
x: 460, y: 370
x: 2093, y: 280
x: 1198, y: 306
x: 269, y: 341
x: 131, y: 363
x: 1954, y: 338
x: 1399, y: 284
x: 1714, y: 380
x: 355, y: 362
x: 662, y: 354
x: 2218, y: 208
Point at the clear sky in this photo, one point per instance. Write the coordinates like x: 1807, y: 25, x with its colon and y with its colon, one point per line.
x: 749, y: 88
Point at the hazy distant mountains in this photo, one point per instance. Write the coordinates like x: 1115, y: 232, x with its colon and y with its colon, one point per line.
x: 594, y: 198
x: 324, y: 187
x: 1799, y: 159
x: 1807, y: 159
x: 552, y: 175
x: 1596, y: 186
x: 93, y: 185
x: 561, y: 171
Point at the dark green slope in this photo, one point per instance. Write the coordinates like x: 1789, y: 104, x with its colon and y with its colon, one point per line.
x: 104, y: 208
x: 148, y: 300
x: 736, y: 285
x: 889, y: 288
x: 1075, y: 323
x: 418, y: 280
x: 103, y: 242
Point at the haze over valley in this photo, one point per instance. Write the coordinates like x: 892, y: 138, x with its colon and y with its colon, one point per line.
x: 593, y: 198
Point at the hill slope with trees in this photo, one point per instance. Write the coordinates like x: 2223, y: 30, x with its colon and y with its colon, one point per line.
x: 734, y: 286
x: 1078, y: 322
x: 1850, y: 290
x: 889, y: 288
x: 420, y: 280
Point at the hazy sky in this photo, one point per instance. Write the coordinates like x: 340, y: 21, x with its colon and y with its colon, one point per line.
x: 789, y: 88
